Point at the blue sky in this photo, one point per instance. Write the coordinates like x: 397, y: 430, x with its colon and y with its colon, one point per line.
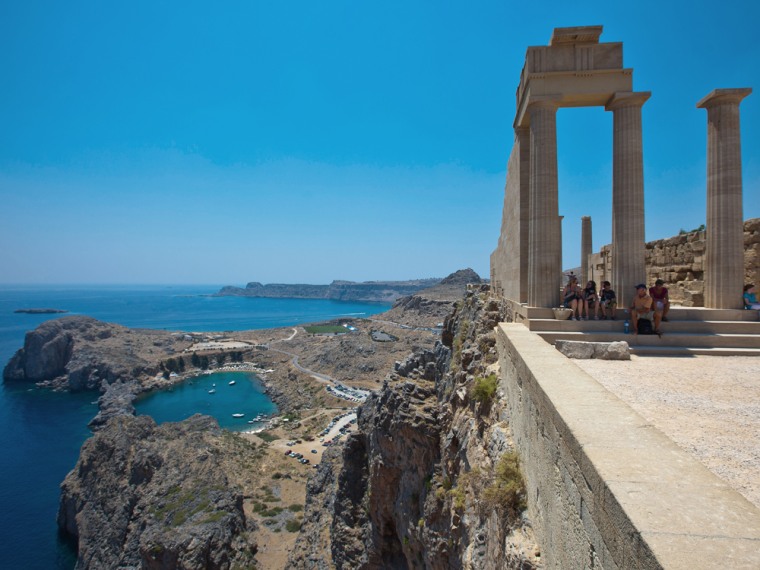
x: 196, y: 142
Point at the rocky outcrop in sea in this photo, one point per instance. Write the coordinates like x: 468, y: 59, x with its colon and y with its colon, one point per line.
x: 81, y: 353
x: 152, y: 497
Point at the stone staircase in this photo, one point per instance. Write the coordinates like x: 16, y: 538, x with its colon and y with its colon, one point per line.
x: 690, y: 330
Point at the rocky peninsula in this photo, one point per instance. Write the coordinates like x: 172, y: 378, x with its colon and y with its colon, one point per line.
x: 371, y: 291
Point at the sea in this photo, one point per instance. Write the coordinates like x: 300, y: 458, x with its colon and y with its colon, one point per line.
x: 42, y: 431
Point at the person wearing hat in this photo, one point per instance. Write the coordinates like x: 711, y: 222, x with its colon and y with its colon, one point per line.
x: 660, y: 298
x: 641, y: 308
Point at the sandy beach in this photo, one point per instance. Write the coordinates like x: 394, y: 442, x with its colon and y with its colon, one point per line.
x: 708, y: 405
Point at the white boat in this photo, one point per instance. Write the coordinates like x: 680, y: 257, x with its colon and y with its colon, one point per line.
x: 238, y: 415
x: 212, y: 391
x: 232, y: 382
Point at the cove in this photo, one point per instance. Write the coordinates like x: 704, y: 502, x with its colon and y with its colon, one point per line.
x: 219, y: 395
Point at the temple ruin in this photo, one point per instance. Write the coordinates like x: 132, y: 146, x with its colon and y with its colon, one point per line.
x: 576, y: 70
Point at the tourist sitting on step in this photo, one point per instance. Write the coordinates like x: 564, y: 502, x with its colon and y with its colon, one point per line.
x: 641, y: 308
x: 607, y: 301
x: 750, y: 297
x: 659, y: 295
x: 590, y: 299
x: 572, y: 298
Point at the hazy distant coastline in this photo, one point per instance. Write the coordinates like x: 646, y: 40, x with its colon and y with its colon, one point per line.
x: 40, y: 311
x: 372, y: 291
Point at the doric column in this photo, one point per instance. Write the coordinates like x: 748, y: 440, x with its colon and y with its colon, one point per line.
x: 724, y: 254
x: 586, y: 248
x: 545, y: 245
x: 628, y: 267
x: 523, y: 140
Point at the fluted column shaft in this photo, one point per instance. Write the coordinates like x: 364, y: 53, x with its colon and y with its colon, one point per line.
x: 724, y: 253
x: 586, y: 248
x: 545, y: 247
x: 628, y: 267
x: 523, y: 140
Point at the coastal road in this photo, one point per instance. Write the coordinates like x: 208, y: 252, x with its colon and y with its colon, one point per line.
x: 324, y: 378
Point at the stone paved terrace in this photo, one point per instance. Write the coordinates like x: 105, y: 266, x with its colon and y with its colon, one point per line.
x: 708, y: 405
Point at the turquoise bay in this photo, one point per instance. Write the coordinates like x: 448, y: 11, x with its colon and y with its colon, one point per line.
x: 220, y: 395
x: 41, y: 432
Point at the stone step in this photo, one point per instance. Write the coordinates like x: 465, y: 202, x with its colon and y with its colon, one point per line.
x: 675, y: 314
x: 694, y: 340
x: 690, y: 351
x: 672, y: 326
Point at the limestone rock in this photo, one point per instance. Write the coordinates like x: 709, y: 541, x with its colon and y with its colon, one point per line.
x: 618, y: 350
x: 421, y: 438
x: 80, y: 353
x: 148, y: 496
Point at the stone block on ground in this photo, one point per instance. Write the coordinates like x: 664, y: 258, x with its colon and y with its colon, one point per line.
x: 599, y: 350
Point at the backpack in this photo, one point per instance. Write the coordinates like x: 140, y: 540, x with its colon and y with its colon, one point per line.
x: 645, y: 326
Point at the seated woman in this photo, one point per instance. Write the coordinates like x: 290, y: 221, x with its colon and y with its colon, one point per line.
x: 572, y: 299
x: 750, y: 297
x: 590, y: 299
x: 607, y: 301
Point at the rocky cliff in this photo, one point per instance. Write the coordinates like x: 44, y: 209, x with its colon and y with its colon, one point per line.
x: 430, y: 480
x: 374, y: 291
x: 81, y: 353
x: 148, y: 496
x: 431, y: 306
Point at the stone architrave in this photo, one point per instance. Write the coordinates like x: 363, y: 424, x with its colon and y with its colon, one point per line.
x: 724, y: 253
x: 586, y: 248
x: 544, y: 242
x: 627, y: 193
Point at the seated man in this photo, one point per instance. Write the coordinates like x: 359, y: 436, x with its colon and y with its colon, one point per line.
x: 659, y: 295
x: 608, y: 301
x: 641, y: 308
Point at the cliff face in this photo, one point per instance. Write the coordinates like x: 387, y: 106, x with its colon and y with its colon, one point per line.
x: 373, y: 291
x: 422, y: 483
x: 147, y: 496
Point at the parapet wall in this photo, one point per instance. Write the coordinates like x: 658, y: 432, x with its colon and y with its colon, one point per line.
x: 605, y: 488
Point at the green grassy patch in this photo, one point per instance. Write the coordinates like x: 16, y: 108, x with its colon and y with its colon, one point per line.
x: 484, y: 389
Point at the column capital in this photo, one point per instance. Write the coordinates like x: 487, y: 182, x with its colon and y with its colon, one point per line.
x: 545, y: 102
x: 724, y: 97
x: 621, y: 99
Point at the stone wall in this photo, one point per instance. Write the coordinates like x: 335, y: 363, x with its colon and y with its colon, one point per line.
x: 680, y: 262
x: 605, y: 489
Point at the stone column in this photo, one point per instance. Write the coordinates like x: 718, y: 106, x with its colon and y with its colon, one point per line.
x: 544, y: 206
x: 586, y: 248
x: 724, y: 253
x: 523, y: 140
x: 628, y: 266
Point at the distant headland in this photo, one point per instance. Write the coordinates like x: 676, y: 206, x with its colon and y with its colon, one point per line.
x: 372, y: 291
x: 40, y: 311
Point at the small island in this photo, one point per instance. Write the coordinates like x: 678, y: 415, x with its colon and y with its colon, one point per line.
x: 40, y: 311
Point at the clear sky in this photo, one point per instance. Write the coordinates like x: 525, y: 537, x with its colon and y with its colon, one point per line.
x: 301, y: 141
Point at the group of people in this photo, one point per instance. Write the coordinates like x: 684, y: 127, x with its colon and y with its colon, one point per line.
x: 652, y: 305
x: 582, y: 301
